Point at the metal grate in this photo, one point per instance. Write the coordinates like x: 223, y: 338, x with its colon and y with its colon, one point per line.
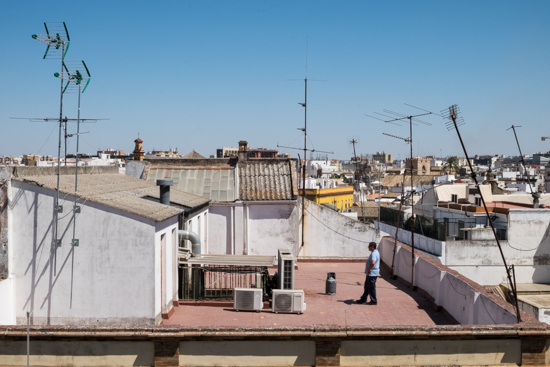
x: 217, y: 282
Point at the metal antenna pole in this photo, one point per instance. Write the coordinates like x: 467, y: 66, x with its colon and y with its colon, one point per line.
x: 75, y: 74
x: 76, y: 208
x: 411, y: 118
x: 413, y: 217
x: 57, y: 46
x: 357, y: 176
x: 535, y: 195
x: 304, y: 163
x: 452, y: 115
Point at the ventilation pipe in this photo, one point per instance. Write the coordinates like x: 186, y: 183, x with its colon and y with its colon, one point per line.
x: 165, y: 190
x: 195, y: 241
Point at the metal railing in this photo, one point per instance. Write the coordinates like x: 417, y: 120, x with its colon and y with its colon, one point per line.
x: 431, y: 227
x: 215, y: 282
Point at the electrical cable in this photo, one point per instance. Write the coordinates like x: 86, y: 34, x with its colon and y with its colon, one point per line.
x: 333, y: 230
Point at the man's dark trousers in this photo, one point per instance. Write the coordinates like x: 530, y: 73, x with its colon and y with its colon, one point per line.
x: 370, y: 289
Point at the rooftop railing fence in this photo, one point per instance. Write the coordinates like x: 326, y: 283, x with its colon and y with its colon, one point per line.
x: 441, y: 230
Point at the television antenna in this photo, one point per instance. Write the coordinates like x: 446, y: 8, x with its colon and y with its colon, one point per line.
x: 454, y: 121
x: 77, y: 75
x: 74, y: 76
x: 357, y: 178
x: 57, y: 44
x: 535, y: 195
x: 57, y: 36
x: 393, y: 118
x: 304, y: 129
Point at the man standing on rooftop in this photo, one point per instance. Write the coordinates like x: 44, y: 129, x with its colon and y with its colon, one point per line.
x: 372, y: 269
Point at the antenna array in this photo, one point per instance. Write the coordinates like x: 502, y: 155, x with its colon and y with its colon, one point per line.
x: 453, y: 120
x: 74, y: 77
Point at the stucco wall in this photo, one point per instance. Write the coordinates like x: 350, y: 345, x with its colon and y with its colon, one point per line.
x: 466, y: 301
x: 252, y: 228
x: 262, y: 228
x: 330, y: 234
x: 527, y: 248
x: 112, y: 277
x: 7, y: 316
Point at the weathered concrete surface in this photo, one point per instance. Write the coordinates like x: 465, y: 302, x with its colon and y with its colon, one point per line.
x: 280, y: 346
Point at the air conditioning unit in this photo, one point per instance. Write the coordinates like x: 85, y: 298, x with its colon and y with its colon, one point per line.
x: 248, y: 299
x: 286, y: 270
x: 292, y: 301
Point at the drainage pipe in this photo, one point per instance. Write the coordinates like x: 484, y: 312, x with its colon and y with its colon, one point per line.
x: 195, y: 241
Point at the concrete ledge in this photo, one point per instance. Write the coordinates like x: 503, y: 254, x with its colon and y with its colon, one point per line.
x: 500, y: 345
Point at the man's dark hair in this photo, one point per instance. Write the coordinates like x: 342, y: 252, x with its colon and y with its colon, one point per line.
x: 373, y: 244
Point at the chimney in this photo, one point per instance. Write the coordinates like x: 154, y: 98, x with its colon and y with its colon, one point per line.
x: 138, y: 150
x: 243, y: 150
x: 165, y: 191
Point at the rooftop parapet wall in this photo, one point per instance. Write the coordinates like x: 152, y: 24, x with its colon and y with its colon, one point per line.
x: 22, y: 171
x: 501, y: 345
x: 464, y: 300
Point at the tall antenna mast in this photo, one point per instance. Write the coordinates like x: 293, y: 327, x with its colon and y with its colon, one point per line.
x: 455, y: 121
x: 76, y: 75
x: 57, y: 43
x: 357, y: 176
x: 408, y: 140
x: 535, y: 195
x: 304, y: 129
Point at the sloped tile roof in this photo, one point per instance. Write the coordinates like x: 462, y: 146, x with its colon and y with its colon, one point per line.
x: 216, y: 179
x: 267, y: 179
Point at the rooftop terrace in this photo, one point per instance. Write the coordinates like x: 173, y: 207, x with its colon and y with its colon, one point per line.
x: 398, y: 304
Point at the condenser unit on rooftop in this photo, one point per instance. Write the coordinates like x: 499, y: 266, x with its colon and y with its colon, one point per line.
x: 286, y: 270
x: 248, y: 299
x: 292, y: 301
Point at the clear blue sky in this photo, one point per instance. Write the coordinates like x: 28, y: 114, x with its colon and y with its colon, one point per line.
x: 205, y: 74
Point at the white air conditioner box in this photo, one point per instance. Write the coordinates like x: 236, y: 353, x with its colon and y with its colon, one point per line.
x: 286, y: 270
x: 284, y: 300
x: 249, y: 299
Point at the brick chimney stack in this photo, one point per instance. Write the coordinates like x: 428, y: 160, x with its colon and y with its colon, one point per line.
x: 243, y: 150
x: 138, y: 150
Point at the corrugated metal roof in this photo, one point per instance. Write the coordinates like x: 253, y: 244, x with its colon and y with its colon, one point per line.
x: 119, y: 192
x: 273, y: 179
x: 214, y: 183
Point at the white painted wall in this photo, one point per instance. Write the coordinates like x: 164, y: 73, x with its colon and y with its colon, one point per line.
x: 198, y: 224
x: 261, y: 228
x: 466, y: 304
x: 7, y: 315
x: 527, y: 248
x: 253, y: 228
x: 330, y: 234
x: 112, y: 277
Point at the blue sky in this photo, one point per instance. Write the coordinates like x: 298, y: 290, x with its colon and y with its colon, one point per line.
x: 205, y: 74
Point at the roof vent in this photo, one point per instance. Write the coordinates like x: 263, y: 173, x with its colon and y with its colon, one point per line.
x: 165, y: 190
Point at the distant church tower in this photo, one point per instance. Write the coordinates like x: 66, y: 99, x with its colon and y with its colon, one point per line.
x: 138, y: 150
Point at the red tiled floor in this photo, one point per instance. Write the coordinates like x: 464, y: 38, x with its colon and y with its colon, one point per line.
x: 397, y: 304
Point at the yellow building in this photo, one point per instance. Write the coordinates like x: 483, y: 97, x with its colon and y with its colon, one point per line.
x: 340, y: 197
